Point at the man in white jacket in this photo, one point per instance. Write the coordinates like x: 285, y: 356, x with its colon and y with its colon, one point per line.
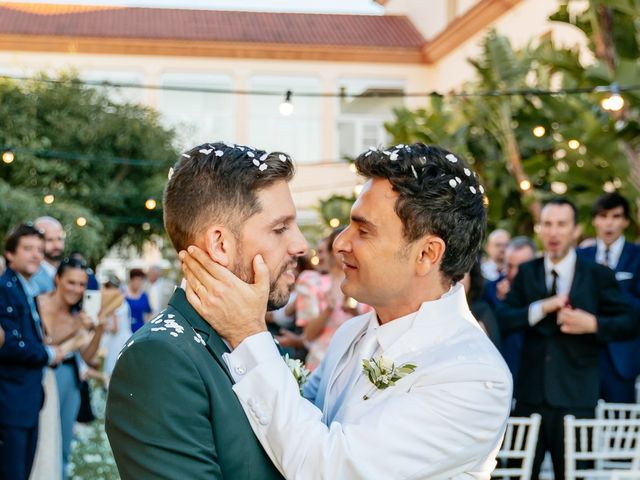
x: 413, y: 390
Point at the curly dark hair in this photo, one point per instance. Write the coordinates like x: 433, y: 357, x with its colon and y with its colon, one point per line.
x: 218, y: 182
x: 439, y: 195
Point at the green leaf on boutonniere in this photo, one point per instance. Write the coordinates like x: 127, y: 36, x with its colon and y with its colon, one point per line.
x: 383, y: 373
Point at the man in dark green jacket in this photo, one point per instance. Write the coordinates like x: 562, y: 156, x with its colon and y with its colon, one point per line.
x: 171, y: 411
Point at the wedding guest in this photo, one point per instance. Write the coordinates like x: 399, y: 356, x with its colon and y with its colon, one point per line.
x: 138, y: 299
x: 159, y: 290
x: 493, y: 266
x: 117, y: 329
x: 23, y: 355
x: 54, y: 240
x: 63, y: 320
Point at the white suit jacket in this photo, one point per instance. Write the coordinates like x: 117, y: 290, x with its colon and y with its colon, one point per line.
x: 445, y: 420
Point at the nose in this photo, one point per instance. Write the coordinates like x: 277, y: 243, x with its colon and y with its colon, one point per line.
x: 341, y: 243
x: 298, y: 245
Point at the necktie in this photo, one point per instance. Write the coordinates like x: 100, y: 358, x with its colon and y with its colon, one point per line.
x: 549, y: 324
x: 607, y: 261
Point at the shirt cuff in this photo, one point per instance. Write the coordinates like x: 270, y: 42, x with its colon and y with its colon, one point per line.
x: 535, y: 312
x: 251, y: 352
x: 51, y: 353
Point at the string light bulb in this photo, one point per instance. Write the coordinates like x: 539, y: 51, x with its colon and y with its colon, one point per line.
x: 525, y: 185
x: 573, y: 144
x: 334, y: 223
x: 150, y: 204
x: 286, y: 107
x: 539, y: 131
x: 8, y: 157
x: 614, y: 102
x: 49, y: 199
x: 81, y: 221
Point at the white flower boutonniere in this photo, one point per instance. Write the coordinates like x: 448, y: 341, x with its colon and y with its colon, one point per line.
x: 299, y: 371
x: 383, y: 372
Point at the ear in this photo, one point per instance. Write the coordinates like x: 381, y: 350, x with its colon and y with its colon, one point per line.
x: 430, y: 253
x: 219, y: 243
x: 577, y: 232
x: 9, y: 256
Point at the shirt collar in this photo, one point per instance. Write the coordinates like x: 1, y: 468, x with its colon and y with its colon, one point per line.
x: 48, y: 268
x: 615, y: 249
x: 28, y: 289
x: 452, y: 301
x: 564, y: 267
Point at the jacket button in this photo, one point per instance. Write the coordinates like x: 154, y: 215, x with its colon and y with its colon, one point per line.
x: 21, y: 344
x: 9, y: 309
x: 9, y: 284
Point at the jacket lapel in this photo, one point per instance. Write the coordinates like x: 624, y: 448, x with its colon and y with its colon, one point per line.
x: 213, y: 342
x: 579, y: 277
x: 624, y: 257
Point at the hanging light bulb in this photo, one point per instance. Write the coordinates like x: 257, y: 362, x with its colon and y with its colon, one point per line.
x: 525, y: 185
x: 539, y: 131
x: 7, y: 157
x: 150, y: 204
x: 334, y: 223
x: 81, y: 221
x: 49, y: 199
x: 614, y: 102
x: 286, y: 107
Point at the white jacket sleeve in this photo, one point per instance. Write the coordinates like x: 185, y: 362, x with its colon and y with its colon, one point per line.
x: 441, y: 425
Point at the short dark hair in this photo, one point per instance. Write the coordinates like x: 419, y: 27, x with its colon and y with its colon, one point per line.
x: 23, y: 230
x: 69, y: 263
x: 218, y: 182
x: 560, y: 201
x: 332, y: 237
x: 438, y: 194
x: 136, y: 273
x: 522, y: 241
x: 609, y: 201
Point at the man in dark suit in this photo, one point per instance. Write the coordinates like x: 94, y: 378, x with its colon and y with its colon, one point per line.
x: 566, y: 307
x: 171, y: 410
x: 620, y: 360
x: 23, y: 355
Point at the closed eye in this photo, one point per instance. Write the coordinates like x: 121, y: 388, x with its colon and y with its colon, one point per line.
x: 280, y: 231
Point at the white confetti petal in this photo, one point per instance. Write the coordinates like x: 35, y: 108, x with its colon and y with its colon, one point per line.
x: 467, y: 172
x: 206, y: 151
x: 230, y: 145
x: 250, y: 154
x: 130, y: 343
x: 240, y: 148
x: 186, y: 156
x: 453, y: 183
x: 263, y: 167
x: 473, y: 189
x: 458, y: 179
x: 415, y: 174
x: 400, y: 146
x: 393, y: 157
x: 170, y: 173
x: 282, y: 158
x: 174, y: 334
x: 219, y: 153
x: 373, y: 149
x: 423, y: 160
x: 386, y: 153
x: 481, y: 189
x: 256, y: 162
x: 264, y: 157
x: 367, y: 154
x: 452, y: 158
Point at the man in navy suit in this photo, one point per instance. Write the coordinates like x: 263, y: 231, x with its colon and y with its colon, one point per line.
x: 23, y: 355
x: 620, y: 361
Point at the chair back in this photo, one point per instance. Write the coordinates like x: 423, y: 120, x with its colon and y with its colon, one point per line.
x: 515, y: 458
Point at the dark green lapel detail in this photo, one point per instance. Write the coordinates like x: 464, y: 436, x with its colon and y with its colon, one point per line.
x: 214, y: 343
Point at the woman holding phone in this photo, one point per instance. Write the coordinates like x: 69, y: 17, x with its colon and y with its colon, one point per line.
x: 63, y: 321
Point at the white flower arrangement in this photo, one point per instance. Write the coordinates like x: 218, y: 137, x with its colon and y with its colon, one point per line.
x: 383, y: 373
x: 299, y: 371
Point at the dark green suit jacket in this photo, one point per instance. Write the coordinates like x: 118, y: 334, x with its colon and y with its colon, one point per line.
x: 171, y: 412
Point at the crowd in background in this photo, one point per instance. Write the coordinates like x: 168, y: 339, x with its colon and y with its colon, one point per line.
x: 565, y: 319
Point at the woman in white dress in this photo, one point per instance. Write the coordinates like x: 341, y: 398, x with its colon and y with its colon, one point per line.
x: 117, y: 331
x: 47, y: 464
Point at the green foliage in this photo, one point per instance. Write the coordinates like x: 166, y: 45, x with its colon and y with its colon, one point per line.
x: 74, y: 142
x: 495, y: 133
x: 336, y: 206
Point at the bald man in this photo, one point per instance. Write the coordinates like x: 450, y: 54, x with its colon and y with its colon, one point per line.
x: 493, y: 266
x: 54, y: 237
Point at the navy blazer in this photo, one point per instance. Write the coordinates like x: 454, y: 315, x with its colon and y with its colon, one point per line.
x: 625, y: 355
x: 22, y: 357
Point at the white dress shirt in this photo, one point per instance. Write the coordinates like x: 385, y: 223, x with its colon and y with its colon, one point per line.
x: 565, y: 269
x: 615, y: 250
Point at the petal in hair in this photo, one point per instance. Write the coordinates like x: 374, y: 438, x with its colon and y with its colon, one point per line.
x: 473, y: 189
x: 453, y: 183
x: 263, y: 167
x: 206, y: 151
x: 452, y: 158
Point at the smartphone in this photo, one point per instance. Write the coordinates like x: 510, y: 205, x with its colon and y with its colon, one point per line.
x: 91, y: 303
